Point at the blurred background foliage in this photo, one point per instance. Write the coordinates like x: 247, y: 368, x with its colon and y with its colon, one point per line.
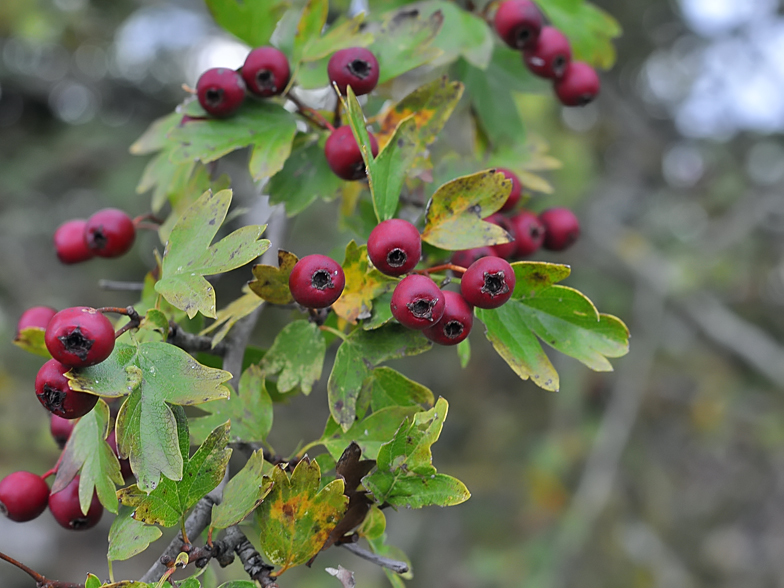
x: 668, y: 472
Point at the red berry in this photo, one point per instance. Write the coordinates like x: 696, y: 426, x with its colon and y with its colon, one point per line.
x: 488, y: 283
x: 109, y: 232
x: 417, y: 302
x: 67, y: 511
x: 518, y: 23
x: 528, y: 231
x: 578, y: 86
x: 465, y: 257
x: 125, y: 465
x: 79, y: 336
x: 266, y: 71
x: 515, y: 193
x: 36, y: 317
x: 220, y: 91
x: 316, y: 281
x: 394, y: 247
x: 356, y: 67
x: 550, y: 56
x: 505, y: 250
x: 54, y: 391
x: 561, y: 228
x: 61, y: 428
x: 455, y: 324
x: 69, y: 242
x: 23, y: 496
x: 343, y: 154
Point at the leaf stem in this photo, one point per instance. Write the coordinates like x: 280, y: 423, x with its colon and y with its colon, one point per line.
x: 310, y: 113
x: 441, y: 268
x: 129, y: 311
x: 334, y: 331
x: 30, y: 572
x: 304, y: 450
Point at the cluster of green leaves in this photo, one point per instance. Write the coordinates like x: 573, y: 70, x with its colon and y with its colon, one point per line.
x: 377, y: 440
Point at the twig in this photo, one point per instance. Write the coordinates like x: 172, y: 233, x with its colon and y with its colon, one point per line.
x: 396, y: 566
x: 118, y: 286
x: 251, y: 560
x: 193, y: 343
x: 441, y: 268
x: 41, y: 581
x: 345, y: 576
x: 313, y: 114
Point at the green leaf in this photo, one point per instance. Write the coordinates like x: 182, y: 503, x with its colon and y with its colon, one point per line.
x: 265, y: 126
x: 561, y: 317
x: 170, y: 500
x: 129, y: 537
x: 455, y: 213
x: 31, y: 340
x: 388, y: 387
x: 250, y: 411
x: 252, y: 21
x: 405, y: 474
x: 390, y: 168
x: 297, y: 517
x: 374, y: 525
x: 189, y: 257
x: 404, y: 41
x: 491, y: 92
x: 364, y: 283
x: 298, y: 354
x: 311, y: 23
x: 431, y: 105
x: 340, y: 36
x: 239, y: 584
x: 589, y: 28
x: 305, y: 176
x: 463, y: 34
x: 229, y: 316
x: 272, y: 283
x: 357, y: 355
x: 87, y: 451
x: 157, y: 375
x: 155, y: 137
x: 464, y: 352
x: 381, y: 313
x: 370, y: 433
x: 243, y: 493
x: 92, y: 582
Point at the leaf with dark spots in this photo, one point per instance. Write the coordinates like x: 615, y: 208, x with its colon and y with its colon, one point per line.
x: 189, y: 254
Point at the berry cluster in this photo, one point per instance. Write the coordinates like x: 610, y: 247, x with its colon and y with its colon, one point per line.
x: 108, y: 233
x: 546, y: 52
x: 75, y: 337
x: 555, y: 228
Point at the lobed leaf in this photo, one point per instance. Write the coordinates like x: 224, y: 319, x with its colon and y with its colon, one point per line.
x: 243, y: 493
x: 298, y: 354
x: 272, y: 283
x: 129, y: 537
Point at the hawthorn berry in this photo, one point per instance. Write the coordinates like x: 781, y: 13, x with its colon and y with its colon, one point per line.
x: 266, y: 71
x: 561, y: 228
x: 54, y: 391
x: 528, y: 231
x: 394, y: 247
x: 109, y: 233
x: 79, y: 336
x: 504, y: 250
x: 417, y: 302
x: 551, y: 54
x: 67, y: 511
x: 316, y: 281
x: 36, y: 317
x: 518, y: 23
x: 488, y: 283
x: 578, y: 86
x: 356, y: 67
x: 465, y: 257
x: 23, y: 496
x: 344, y: 156
x: 221, y: 91
x: 61, y: 429
x: 125, y: 464
x: 516, y: 191
x: 456, y: 322
x: 69, y: 242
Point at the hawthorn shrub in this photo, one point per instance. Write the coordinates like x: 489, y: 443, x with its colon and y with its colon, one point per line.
x: 451, y: 239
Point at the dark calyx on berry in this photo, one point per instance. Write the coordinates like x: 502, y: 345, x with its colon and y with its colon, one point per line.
x: 488, y: 283
x: 266, y: 71
x: 109, y: 232
x: 79, y: 336
x: 221, y: 91
x: 578, y: 86
x: 455, y: 324
x: 518, y: 23
x: 321, y: 280
x: 316, y: 281
x: 395, y: 247
x: 417, y: 302
x: 67, y: 511
x: 54, y: 391
x: 356, y: 67
x: 551, y: 55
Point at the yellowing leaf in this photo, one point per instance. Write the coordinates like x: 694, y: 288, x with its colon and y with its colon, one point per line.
x: 363, y: 284
x: 453, y: 219
x: 296, y: 518
x: 272, y: 283
x: 228, y: 317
